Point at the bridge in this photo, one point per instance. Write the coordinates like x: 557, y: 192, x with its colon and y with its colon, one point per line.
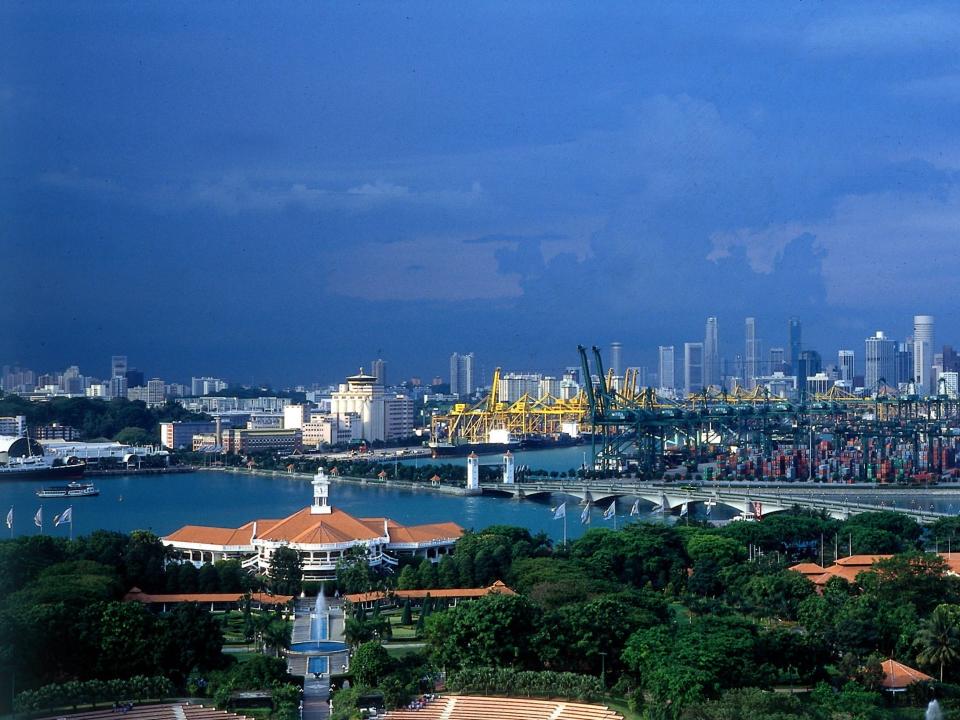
x: 839, y: 502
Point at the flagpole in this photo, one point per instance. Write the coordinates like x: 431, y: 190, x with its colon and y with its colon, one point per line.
x: 564, y: 528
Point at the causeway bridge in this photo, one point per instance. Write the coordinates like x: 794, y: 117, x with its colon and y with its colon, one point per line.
x: 839, y: 501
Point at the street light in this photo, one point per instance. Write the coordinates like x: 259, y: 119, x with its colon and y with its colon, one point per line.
x: 603, y: 669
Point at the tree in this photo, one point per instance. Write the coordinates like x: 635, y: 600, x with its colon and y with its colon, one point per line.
x: 128, y: 640
x: 208, y: 580
x: 427, y: 575
x: 286, y: 571
x: 354, y: 574
x: 133, y: 436
x: 190, y: 637
x: 406, y: 618
x: 448, y: 577
x: 371, y: 662
x: 408, y: 579
x: 145, y: 561
x: 939, y: 640
x: 276, y: 635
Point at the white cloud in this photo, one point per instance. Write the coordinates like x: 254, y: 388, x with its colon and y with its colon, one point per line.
x: 877, y: 249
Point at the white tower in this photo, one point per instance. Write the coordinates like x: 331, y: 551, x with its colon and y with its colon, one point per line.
x: 923, y: 352
x: 508, y: 468
x: 321, y: 494
x: 473, y: 472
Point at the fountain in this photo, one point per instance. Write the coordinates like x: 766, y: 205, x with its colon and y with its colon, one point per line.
x: 319, y: 641
x: 933, y: 711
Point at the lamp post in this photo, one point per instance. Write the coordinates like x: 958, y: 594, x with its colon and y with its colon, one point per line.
x: 603, y: 669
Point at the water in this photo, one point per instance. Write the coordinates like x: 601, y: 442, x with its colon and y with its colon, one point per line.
x: 320, y: 664
x: 558, y: 459
x: 163, y: 503
x: 320, y: 627
x: 933, y: 711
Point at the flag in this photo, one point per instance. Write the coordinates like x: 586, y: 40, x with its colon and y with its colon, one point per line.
x: 635, y: 510
x: 683, y: 510
x: 585, y: 515
x: 10, y: 519
x: 38, y: 518
x: 610, y: 511
x: 560, y: 512
x: 65, y: 517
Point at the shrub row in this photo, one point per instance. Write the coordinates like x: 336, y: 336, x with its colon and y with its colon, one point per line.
x: 506, y: 681
x: 92, y: 692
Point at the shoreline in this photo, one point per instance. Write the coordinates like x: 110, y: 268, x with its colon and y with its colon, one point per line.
x: 400, y: 484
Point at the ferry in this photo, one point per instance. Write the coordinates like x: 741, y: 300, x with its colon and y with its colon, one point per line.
x: 74, y: 489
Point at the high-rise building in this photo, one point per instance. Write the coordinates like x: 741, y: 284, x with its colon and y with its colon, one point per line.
x: 156, y: 392
x: 809, y: 363
x: 794, y: 343
x: 668, y: 378
x: 777, y: 359
x: 711, y: 354
x: 846, y: 361
x: 923, y: 352
x: 118, y: 366
x: 134, y: 378
x: 692, y: 367
x: 461, y: 374
x: 904, y: 363
x: 949, y: 383
x: 361, y: 395
x: 751, y: 361
x: 881, y: 361
x: 379, y: 370
x: 616, y: 359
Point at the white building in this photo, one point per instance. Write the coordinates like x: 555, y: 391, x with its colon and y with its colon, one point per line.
x: 881, y: 361
x: 950, y: 383
x: 668, y: 378
x: 296, y: 416
x: 923, y: 352
x: 363, y: 396
x: 398, y: 417
x: 323, y: 535
x: 13, y: 426
x: 462, y: 379
x: 846, y: 361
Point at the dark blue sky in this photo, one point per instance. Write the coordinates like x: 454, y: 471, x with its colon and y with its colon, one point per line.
x: 281, y: 192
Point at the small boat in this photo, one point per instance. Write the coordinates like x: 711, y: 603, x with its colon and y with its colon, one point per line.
x: 74, y: 489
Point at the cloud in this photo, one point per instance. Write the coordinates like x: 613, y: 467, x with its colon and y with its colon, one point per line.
x: 878, y: 249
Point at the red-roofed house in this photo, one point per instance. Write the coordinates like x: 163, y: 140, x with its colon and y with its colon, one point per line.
x: 370, y: 599
x: 897, y: 676
x: 322, y: 534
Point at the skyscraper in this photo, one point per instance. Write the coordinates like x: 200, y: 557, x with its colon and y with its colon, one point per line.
x: 846, y: 361
x: 668, y: 378
x: 461, y: 374
x: 904, y: 362
x: 752, y: 356
x: 881, y: 361
x: 692, y: 367
x: 616, y: 359
x: 711, y: 354
x: 923, y: 352
x: 794, y: 344
x: 118, y: 366
x: 776, y: 360
x: 378, y: 368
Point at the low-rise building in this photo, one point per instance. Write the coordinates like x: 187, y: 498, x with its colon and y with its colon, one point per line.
x: 323, y: 535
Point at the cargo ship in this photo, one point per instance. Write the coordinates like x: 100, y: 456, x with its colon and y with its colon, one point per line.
x: 500, y: 443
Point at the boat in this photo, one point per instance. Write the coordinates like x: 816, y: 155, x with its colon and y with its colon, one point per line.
x: 21, y: 458
x: 74, y: 489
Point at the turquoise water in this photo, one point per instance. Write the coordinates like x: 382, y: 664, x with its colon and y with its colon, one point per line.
x: 560, y: 459
x: 319, y: 665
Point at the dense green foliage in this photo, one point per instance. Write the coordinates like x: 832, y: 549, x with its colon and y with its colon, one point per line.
x: 94, y: 418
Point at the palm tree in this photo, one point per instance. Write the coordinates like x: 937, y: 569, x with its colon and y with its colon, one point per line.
x: 277, y: 635
x: 939, y: 640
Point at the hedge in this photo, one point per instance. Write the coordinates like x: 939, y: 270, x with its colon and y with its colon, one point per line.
x: 505, y: 681
x: 92, y: 692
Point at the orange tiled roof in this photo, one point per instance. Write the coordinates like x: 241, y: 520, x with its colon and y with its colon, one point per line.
x: 897, y: 675
x: 861, y: 560
x: 423, y: 533
x: 309, y: 529
x: 808, y: 569
x: 200, y: 535
x: 847, y: 573
x: 497, y: 587
x: 139, y: 595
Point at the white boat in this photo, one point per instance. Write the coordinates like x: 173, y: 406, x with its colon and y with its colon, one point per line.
x: 74, y: 489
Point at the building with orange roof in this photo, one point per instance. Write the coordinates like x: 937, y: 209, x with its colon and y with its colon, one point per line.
x: 897, y: 676
x: 453, y: 595
x: 322, y: 534
x: 216, y: 601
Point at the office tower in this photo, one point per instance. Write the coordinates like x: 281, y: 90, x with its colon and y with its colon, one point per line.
x: 904, y: 362
x: 751, y: 367
x: 809, y: 364
x: 118, y: 366
x: 692, y: 367
x: 461, y: 374
x: 378, y: 368
x: 922, y: 352
x: 667, y: 371
x: 951, y: 360
x: 846, y: 363
x: 881, y: 361
x: 711, y: 354
x: 794, y: 343
x: 949, y: 382
x: 776, y: 360
x: 134, y: 378
x: 616, y: 359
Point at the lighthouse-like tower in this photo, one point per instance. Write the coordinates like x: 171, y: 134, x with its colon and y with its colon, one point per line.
x: 473, y: 472
x: 321, y: 494
x: 509, y: 469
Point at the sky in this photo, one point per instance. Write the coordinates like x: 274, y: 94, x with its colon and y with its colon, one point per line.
x: 282, y: 192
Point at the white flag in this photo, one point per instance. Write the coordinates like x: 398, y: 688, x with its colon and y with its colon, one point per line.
x: 38, y: 518
x: 683, y: 510
x: 10, y: 519
x: 635, y: 510
x: 560, y: 512
x: 585, y: 515
x: 610, y: 511
x: 66, y: 517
